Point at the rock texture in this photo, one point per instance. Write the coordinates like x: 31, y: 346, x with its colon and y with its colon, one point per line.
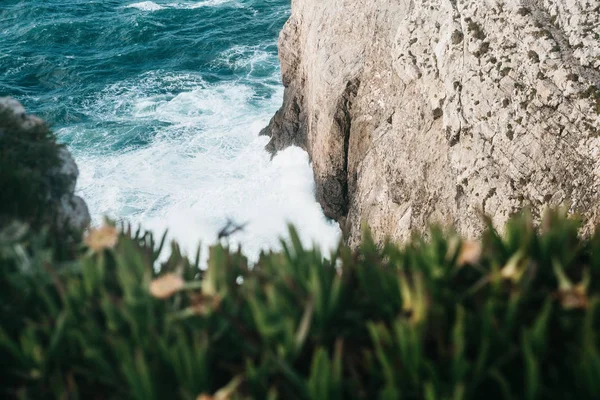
x: 431, y: 111
x: 72, y: 211
x: 69, y: 213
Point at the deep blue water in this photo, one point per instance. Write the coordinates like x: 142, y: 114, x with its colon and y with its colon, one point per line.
x: 161, y: 103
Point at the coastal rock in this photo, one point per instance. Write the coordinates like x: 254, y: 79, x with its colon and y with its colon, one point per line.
x: 67, y: 212
x: 72, y: 212
x: 435, y: 111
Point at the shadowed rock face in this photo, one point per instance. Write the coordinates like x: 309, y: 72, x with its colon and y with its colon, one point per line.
x: 67, y: 212
x: 419, y: 112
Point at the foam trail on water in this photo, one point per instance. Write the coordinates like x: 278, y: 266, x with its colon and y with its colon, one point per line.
x: 146, y: 6
x: 208, y: 3
x: 152, y: 6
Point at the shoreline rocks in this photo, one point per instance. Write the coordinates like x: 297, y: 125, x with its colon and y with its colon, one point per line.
x: 55, y: 175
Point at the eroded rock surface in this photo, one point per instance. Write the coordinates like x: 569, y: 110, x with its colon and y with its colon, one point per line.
x: 431, y: 111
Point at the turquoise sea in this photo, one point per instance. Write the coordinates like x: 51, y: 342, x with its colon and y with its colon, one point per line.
x: 161, y: 104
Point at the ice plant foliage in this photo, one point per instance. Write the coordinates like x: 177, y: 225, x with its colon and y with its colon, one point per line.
x: 508, y: 316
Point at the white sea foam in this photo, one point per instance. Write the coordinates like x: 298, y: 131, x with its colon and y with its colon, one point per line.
x: 245, y: 57
x: 209, y: 3
x: 152, y: 6
x: 204, y: 165
x: 146, y: 6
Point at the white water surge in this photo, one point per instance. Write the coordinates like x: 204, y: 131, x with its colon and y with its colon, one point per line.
x: 204, y: 165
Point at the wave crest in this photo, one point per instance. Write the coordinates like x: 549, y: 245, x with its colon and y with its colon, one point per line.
x: 152, y: 6
x: 146, y: 6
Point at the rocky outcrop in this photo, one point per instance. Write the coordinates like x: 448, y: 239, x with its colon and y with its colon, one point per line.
x: 72, y: 211
x: 41, y: 169
x: 437, y: 110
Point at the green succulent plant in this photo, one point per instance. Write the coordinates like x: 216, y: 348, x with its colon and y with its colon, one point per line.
x: 511, y: 316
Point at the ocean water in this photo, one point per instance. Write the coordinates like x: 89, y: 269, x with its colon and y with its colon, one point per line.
x: 161, y: 102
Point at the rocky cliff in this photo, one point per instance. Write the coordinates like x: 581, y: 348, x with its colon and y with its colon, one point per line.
x: 37, y: 176
x: 431, y: 111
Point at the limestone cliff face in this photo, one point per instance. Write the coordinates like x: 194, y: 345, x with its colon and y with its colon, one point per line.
x: 431, y: 111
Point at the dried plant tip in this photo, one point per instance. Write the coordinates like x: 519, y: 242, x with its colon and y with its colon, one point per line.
x: 102, y: 238
x: 225, y: 393
x: 572, y: 296
x: 166, y: 286
x: 515, y: 267
x: 574, y: 299
x: 204, y: 305
x: 509, y: 271
x: 470, y: 253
